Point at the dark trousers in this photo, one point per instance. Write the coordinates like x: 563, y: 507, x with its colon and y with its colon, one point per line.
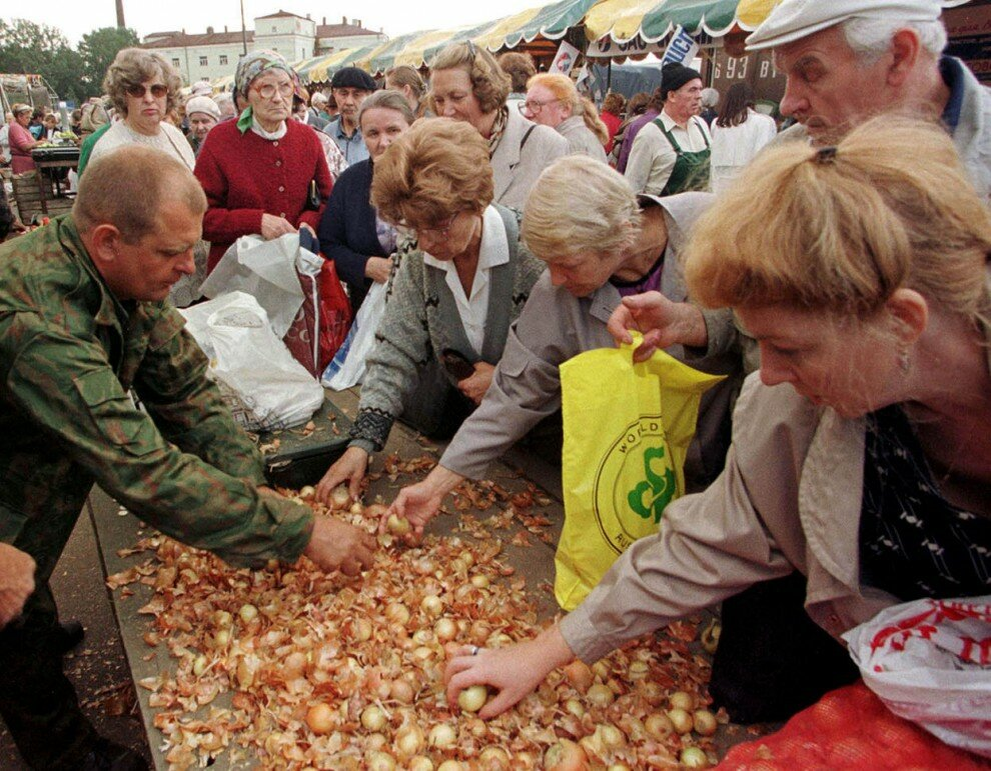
x: 37, y: 701
x: 773, y: 660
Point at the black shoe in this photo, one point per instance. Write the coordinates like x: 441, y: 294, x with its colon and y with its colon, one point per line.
x: 107, y: 756
x: 69, y: 635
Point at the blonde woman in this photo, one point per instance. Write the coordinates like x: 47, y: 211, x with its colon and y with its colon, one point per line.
x: 467, y: 84
x: 861, y: 458
x: 552, y: 100
x: 407, y: 81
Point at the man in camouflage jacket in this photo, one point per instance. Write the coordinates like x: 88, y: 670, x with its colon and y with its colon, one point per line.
x: 83, y: 321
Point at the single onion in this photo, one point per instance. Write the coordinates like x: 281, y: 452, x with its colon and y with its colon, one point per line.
x: 658, y: 726
x: 473, y: 698
x: 479, y: 581
x: 356, y: 508
x: 442, y: 736
x: 612, y: 737
x: 340, y: 498
x: 398, y: 525
x: 693, y: 757
x: 373, y: 718
x: 600, y: 695
x: 222, y: 638
x: 451, y: 765
x: 445, y: 629
x: 710, y: 636
x: 652, y: 692
x: 410, y: 740
x: 682, y: 700
x: 306, y: 491
x: 494, y: 759
x: 565, y: 756
x: 402, y: 691
x: 380, y: 761
x: 681, y: 720
x: 574, y: 707
x: 705, y: 722
x: 248, y: 613
x: 423, y: 637
x: 320, y: 719
x: 397, y: 612
x: 579, y: 675
x: 638, y: 670
x: 421, y: 763
x: 432, y: 605
x: 222, y: 618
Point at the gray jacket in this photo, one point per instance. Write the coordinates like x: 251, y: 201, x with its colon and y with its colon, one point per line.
x: 581, y: 140
x: 789, y: 499
x: 554, y: 327
x: 421, y: 319
x: 524, y: 151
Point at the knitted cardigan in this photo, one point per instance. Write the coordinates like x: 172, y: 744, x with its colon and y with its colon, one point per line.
x: 421, y: 320
x: 245, y: 176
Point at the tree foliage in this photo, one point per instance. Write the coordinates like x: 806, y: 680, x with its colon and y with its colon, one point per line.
x: 97, y: 50
x: 26, y: 47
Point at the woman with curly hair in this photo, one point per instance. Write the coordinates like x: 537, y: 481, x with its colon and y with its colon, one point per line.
x: 143, y: 87
x: 467, y: 84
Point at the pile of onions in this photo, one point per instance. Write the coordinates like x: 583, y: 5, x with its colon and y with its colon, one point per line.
x: 330, y: 671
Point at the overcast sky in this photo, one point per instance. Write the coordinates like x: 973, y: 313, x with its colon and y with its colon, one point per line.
x: 396, y: 17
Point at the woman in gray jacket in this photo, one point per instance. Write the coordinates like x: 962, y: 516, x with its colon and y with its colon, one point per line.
x: 861, y: 456
x: 448, y: 309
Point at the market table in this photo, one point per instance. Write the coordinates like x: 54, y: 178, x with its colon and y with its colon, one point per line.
x: 118, y: 531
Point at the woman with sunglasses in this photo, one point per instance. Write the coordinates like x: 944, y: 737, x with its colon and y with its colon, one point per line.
x: 459, y: 286
x: 143, y: 87
x: 467, y: 84
x: 263, y: 173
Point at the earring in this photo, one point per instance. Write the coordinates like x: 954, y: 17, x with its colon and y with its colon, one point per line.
x: 903, y: 361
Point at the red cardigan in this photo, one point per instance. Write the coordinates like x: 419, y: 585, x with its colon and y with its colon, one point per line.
x: 245, y: 176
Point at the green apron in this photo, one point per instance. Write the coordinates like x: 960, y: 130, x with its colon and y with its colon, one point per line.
x: 691, y: 169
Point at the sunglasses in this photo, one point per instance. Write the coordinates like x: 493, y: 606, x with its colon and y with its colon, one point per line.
x: 157, y: 90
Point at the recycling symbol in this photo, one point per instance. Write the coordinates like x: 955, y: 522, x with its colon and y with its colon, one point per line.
x: 649, y: 498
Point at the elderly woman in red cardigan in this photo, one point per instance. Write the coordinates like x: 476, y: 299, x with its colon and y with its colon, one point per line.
x: 258, y: 171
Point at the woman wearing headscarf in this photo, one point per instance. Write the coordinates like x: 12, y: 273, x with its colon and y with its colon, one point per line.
x: 144, y: 88
x: 467, y: 84
x: 263, y: 174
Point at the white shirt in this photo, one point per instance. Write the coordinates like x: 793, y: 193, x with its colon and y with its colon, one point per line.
x: 652, y: 157
x: 492, y: 252
x: 169, y: 140
x: 733, y: 147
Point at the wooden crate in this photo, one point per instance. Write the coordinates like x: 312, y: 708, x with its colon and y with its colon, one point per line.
x: 27, y: 198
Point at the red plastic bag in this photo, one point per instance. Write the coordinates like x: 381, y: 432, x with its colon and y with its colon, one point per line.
x: 850, y: 729
x: 323, y: 319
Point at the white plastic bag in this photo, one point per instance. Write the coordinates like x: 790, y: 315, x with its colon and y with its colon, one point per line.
x: 347, y: 368
x: 264, y: 385
x: 930, y: 662
x: 266, y: 270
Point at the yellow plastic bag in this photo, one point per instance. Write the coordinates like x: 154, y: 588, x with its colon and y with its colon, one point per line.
x: 627, y: 428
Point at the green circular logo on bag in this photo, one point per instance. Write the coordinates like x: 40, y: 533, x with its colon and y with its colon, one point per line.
x: 635, y: 481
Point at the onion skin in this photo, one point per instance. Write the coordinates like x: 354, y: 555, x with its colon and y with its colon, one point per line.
x: 600, y: 695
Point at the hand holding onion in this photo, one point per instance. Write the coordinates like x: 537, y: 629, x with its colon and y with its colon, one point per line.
x: 336, y: 545
x: 512, y: 672
x: 419, y: 503
x: 350, y: 468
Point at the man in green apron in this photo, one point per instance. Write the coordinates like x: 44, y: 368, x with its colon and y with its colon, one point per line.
x: 671, y: 154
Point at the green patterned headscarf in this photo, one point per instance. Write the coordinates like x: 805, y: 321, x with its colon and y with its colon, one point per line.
x: 249, y: 67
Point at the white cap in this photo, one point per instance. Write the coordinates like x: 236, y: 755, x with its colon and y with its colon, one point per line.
x: 793, y: 20
x: 203, y: 104
x: 201, y: 88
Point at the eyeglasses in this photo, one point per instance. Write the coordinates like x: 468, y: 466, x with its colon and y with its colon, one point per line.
x: 438, y: 231
x: 158, y: 90
x: 533, y: 107
x: 270, y: 89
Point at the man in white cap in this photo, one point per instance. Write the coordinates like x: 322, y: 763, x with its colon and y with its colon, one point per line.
x: 848, y: 60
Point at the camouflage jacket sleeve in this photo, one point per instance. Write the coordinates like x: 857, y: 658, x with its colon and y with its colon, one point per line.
x: 186, y: 405
x: 70, y: 391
